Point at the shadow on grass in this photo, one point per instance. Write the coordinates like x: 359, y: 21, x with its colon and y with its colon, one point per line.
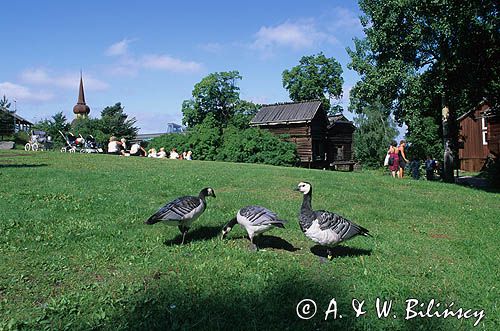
x: 265, y: 241
x: 22, y: 165
x: 270, y: 306
x: 165, y: 306
x: 275, y: 243
x: 198, y: 234
x: 340, y: 251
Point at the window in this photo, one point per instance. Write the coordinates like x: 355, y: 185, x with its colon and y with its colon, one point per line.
x: 484, y: 130
x: 318, y: 150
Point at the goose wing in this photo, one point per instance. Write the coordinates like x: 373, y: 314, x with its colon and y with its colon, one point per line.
x: 178, y: 209
x: 258, y: 215
x: 340, y: 225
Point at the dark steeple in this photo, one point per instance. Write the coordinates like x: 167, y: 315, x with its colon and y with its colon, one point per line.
x: 81, y: 109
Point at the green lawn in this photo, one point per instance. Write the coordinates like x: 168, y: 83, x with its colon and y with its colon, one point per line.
x: 75, y: 254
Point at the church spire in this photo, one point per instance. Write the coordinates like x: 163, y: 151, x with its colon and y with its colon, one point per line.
x: 81, y: 109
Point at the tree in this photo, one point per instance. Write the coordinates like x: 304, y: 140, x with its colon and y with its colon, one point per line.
x: 215, y: 94
x: 52, y: 126
x: 374, y: 133
x: 419, y: 56
x: 316, y: 77
x: 114, y: 122
x: 7, y: 126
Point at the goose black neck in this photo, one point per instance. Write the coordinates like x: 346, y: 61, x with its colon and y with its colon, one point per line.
x: 203, y: 194
x: 231, y: 223
x: 306, y: 203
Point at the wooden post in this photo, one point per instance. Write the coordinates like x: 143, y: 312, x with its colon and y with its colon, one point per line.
x: 447, y: 141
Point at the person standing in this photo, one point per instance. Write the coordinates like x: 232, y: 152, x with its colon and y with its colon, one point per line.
x: 402, y: 158
x: 394, y: 159
x: 430, y: 165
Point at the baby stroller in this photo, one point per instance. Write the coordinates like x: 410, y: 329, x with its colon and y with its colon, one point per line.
x: 72, y: 143
x: 39, y: 140
x: 90, y: 145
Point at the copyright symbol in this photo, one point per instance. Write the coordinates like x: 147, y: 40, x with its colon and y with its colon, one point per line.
x: 306, y: 309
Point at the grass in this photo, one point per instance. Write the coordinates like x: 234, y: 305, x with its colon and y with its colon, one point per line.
x: 75, y: 254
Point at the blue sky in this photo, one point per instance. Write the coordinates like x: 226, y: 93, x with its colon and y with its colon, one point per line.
x: 148, y: 55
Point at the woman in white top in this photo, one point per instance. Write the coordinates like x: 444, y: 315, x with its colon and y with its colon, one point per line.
x: 162, y: 153
x: 173, y: 154
x: 114, y: 146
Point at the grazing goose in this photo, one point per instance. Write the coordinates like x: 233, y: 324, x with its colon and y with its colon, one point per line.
x: 323, y: 227
x: 255, y: 220
x: 182, y: 211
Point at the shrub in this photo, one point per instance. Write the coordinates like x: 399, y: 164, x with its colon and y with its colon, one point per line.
x: 234, y: 145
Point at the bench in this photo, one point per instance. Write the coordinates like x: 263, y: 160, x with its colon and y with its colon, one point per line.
x: 342, y: 164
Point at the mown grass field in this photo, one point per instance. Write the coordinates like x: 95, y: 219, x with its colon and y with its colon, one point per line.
x: 75, y: 254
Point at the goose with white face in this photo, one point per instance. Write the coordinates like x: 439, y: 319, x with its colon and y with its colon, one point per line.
x: 304, y: 187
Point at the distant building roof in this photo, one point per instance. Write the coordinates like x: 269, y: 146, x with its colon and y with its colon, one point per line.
x: 17, y: 117
x: 287, y: 112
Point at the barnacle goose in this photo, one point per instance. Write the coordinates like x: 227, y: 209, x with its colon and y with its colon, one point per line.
x: 324, y: 227
x: 255, y: 220
x: 182, y: 211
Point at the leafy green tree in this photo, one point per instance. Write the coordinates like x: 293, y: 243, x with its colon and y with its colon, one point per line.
x: 90, y: 127
x: 52, y: 126
x: 244, y: 111
x: 215, y: 94
x: 420, y: 55
x: 206, y: 138
x: 374, y: 133
x: 115, y: 122
x: 316, y: 77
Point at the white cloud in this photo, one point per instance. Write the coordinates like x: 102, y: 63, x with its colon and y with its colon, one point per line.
x: 165, y: 62
x: 118, y: 48
x: 297, y: 35
x: 129, y: 64
x: 345, y: 19
x: 23, y: 93
x: 41, y: 76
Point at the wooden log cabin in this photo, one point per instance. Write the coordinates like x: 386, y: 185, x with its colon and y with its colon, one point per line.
x: 321, y: 141
x: 479, y: 137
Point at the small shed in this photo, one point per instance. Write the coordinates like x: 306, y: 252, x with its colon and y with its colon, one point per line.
x: 320, y: 140
x: 479, y: 136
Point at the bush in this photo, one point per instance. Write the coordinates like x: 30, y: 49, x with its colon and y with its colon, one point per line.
x: 256, y: 146
x: 234, y: 145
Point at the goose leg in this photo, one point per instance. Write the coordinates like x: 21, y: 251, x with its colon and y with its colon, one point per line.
x: 183, y: 230
x: 253, y: 247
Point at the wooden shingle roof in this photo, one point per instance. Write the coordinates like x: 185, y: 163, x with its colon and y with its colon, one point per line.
x: 287, y: 112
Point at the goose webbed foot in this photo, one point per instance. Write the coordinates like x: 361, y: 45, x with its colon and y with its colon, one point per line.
x: 323, y: 259
x: 329, y: 254
x: 253, y: 248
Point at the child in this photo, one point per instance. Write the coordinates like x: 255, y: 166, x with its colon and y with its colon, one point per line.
x: 152, y: 153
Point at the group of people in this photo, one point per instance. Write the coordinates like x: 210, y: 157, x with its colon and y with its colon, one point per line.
x: 173, y: 155
x: 396, y: 161
x: 120, y: 147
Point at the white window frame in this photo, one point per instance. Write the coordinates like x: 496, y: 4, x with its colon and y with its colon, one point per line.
x: 484, y: 130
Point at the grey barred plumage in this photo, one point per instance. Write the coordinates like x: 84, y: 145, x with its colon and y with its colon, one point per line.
x: 182, y: 211
x: 255, y: 220
x: 324, y: 227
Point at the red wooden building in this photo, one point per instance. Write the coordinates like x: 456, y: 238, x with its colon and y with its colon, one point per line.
x: 321, y: 141
x: 480, y: 136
